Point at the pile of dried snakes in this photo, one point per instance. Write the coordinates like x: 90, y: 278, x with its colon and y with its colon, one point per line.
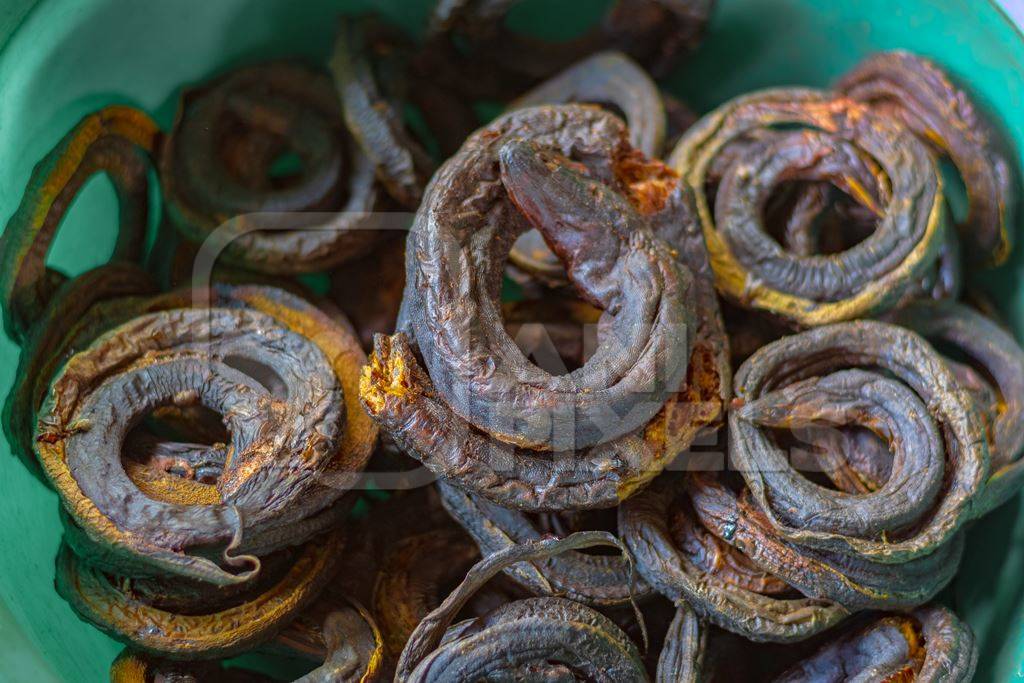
x: 480, y: 452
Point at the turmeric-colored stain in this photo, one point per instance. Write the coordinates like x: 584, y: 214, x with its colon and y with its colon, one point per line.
x: 904, y: 675
x: 169, y: 488
x: 696, y: 406
x: 386, y: 374
x: 910, y: 631
x: 129, y: 667
x: 375, y: 665
x: 125, y: 122
x: 648, y: 182
x: 862, y: 195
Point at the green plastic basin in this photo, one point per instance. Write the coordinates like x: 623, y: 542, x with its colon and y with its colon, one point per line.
x: 60, y: 59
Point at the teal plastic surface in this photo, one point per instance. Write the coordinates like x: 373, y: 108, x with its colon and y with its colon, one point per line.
x: 61, y: 59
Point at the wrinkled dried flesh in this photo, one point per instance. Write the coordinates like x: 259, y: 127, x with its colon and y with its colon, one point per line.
x: 174, y: 471
x: 682, y: 655
x: 189, y: 597
x: 508, y: 397
x: 874, y: 347
x: 105, y: 424
x: 819, y: 262
x: 816, y: 219
x: 611, y: 80
x: 614, y: 80
x: 322, y: 506
x: 983, y: 392
x: 842, y: 399
x: 85, y: 420
x: 854, y: 460
x: 700, y: 406
x: 997, y: 384
x: 813, y: 290
x: 558, y: 333
x: 332, y: 334
x: 951, y: 652
x: 327, y: 459
x: 397, y: 393
x: 826, y: 204
x: 117, y: 141
x: 590, y: 579
x: 526, y: 638
x: 535, y: 639
x: 714, y: 557
x: 98, y: 599
x: 328, y: 331
x: 354, y: 647
x: 269, y: 111
x: 401, y: 164
x: 750, y: 176
x: 889, y: 649
x: 928, y: 645
x: 922, y: 96
x: 853, y: 582
x: 644, y: 524
x: 127, y: 298
x: 626, y: 462
x: 795, y: 188
x: 530, y: 257
x: 49, y: 342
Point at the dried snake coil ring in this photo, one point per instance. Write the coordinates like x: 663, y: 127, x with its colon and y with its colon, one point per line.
x: 287, y: 419
x: 512, y: 174
x: 876, y: 376
x: 531, y: 639
x: 751, y: 267
x: 219, y: 173
x: 992, y: 370
x: 920, y: 94
x: 116, y: 140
